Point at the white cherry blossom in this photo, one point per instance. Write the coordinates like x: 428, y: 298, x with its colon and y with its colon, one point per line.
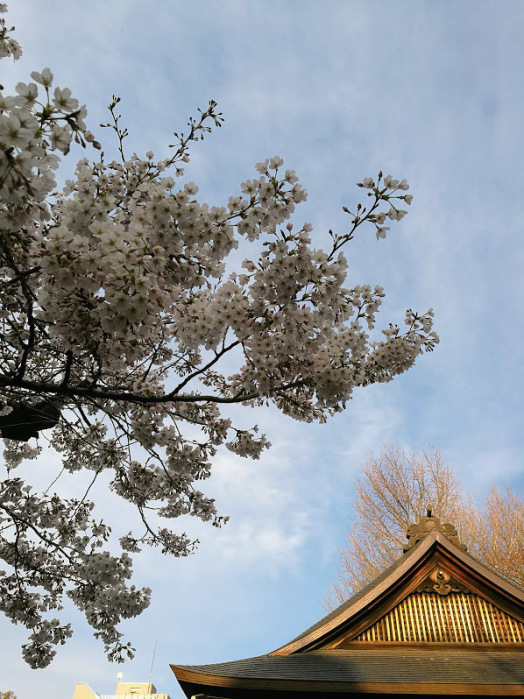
x: 119, y: 325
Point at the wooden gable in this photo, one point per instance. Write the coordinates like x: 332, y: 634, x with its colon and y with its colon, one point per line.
x: 436, y: 593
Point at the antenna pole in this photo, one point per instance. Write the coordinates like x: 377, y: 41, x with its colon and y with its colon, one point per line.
x: 152, y: 661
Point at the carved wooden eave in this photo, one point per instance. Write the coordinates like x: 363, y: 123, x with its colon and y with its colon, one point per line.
x: 436, y: 623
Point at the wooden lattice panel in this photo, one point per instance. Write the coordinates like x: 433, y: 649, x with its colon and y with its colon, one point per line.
x: 454, y: 618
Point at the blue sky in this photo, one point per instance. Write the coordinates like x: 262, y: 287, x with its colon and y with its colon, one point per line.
x: 429, y: 91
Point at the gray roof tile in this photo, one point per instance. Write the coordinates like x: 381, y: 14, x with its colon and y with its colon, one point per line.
x: 394, y: 665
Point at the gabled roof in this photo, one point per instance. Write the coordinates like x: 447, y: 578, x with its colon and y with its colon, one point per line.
x: 436, y: 622
x: 432, y: 554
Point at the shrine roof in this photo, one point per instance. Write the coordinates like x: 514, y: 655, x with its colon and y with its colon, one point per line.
x: 436, y: 622
x: 434, y: 545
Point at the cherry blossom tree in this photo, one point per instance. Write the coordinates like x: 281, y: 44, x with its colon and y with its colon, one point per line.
x: 120, y: 324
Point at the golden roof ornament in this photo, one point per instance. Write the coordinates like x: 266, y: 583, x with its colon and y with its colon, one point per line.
x: 427, y: 524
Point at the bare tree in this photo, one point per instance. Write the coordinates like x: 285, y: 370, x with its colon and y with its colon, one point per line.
x: 499, y: 534
x: 395, y: 490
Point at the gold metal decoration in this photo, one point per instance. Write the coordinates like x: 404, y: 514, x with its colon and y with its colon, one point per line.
x: 442, y: 582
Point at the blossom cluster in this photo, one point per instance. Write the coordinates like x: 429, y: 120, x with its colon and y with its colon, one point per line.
x: 119, y: 319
